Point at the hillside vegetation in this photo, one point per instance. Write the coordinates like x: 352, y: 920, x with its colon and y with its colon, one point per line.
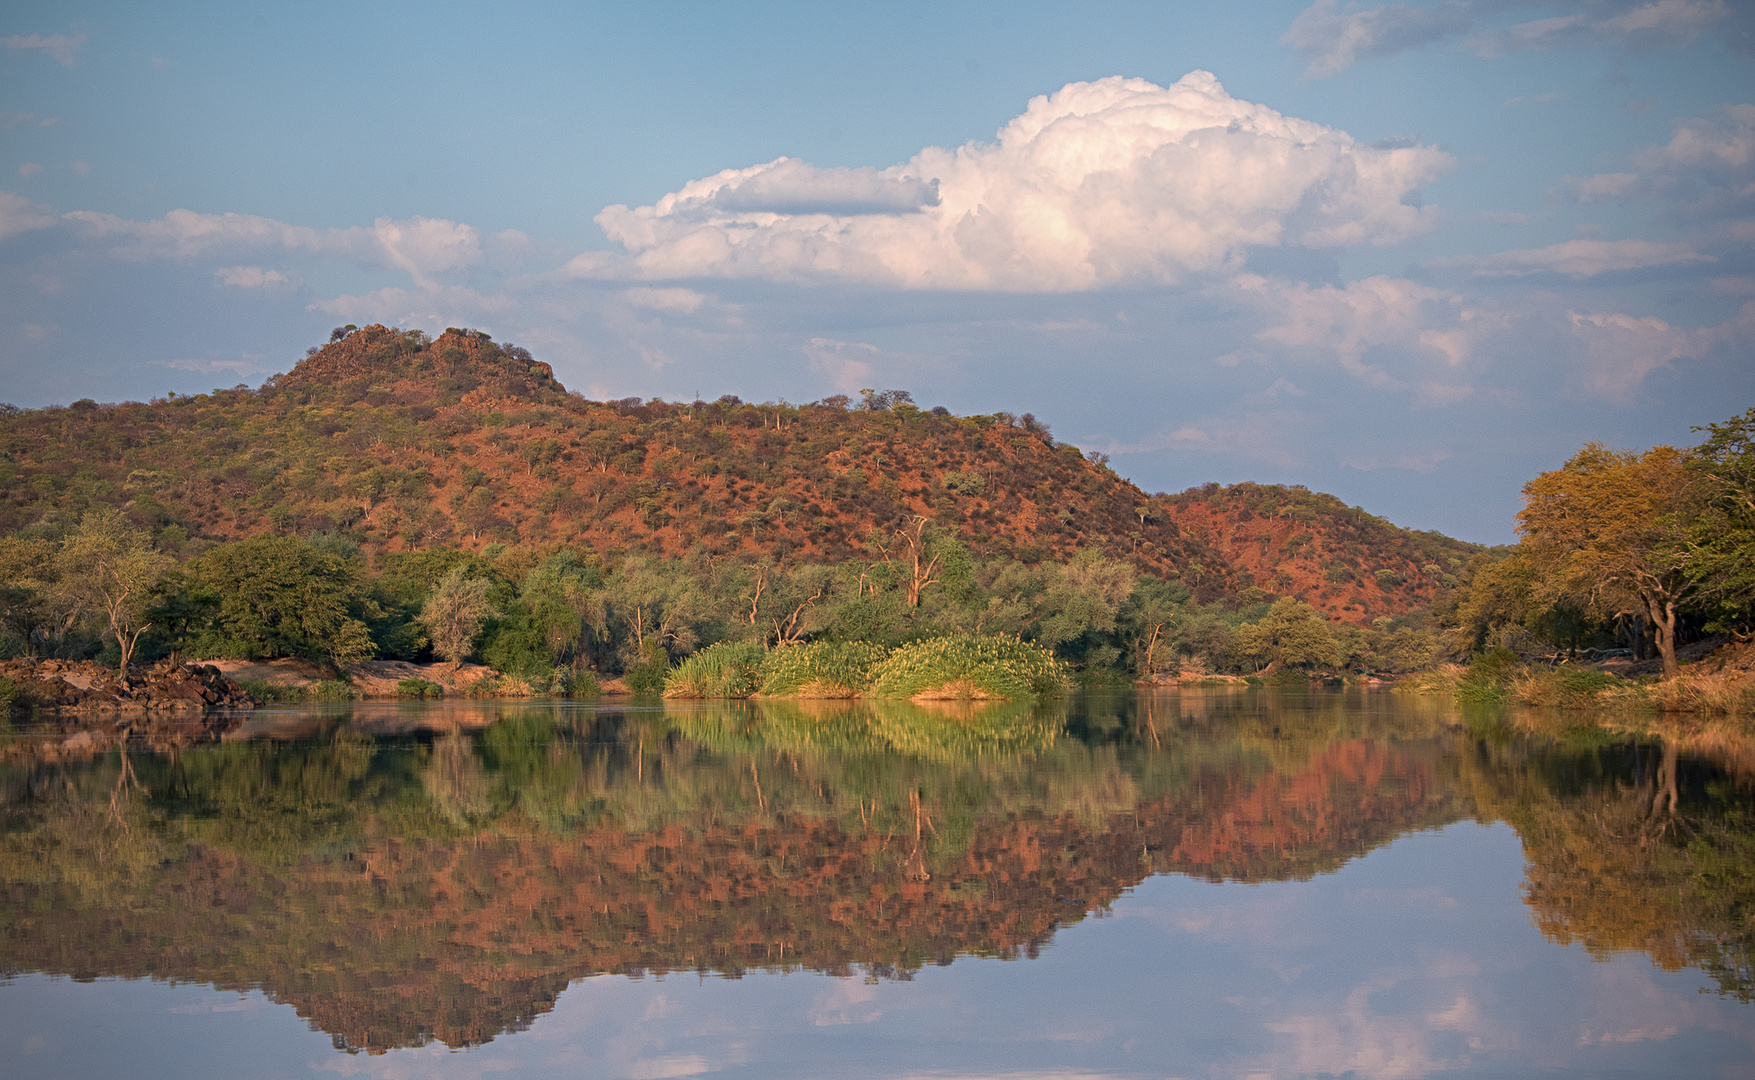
x: 400, y: 443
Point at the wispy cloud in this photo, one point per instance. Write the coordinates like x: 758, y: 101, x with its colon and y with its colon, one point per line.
x: 424, y: 248
x: 1268, y: 437
x: 1602, y: 186
x: 18, y: 214
x: 1578, y: 259
x: 1333, y: 38
x: 59, y: 46
x: 10, y: 120
x: 1348, y: 322
x: 255, y: 277
x: 242, y: 367
x: 1705, y: 171
x: 1639, y: 26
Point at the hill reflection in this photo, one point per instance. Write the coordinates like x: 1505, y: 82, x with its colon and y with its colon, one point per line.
x: 404, y: 877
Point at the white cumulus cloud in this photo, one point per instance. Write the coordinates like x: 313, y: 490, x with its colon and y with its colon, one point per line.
x: 1102, y: 183
x: 790, y: 186
x: 848, y: 364
x: 1622, y: 350
x: 1348, y: 322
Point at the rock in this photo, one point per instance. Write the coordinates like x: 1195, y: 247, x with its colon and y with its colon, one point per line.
x: 78, y: 707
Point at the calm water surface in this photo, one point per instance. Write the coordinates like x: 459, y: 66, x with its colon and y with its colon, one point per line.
x: 1196, y: 884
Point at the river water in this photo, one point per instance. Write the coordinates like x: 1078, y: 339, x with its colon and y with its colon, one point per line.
x: 1211, y: 883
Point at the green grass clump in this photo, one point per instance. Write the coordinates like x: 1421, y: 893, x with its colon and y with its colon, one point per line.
x: 968, y: 667
x: 272, y: 691
x: 580, y: 683
x: 1487, y: 680
x: 419, y: 688
x: 726, y: 670
x: 821, y: 669
x: 1573, y: 688
x: 11, y: 693
x: 331, y: 690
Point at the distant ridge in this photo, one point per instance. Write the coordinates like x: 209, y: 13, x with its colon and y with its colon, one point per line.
x: 404, y: 442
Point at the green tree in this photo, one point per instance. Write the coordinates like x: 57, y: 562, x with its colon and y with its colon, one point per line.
x: 1291, y: 634
x: 108, y: 568
x: 651, y: 608
x: 455, y: 613
x: 1081, y: 601
x: 1721, y: 532
x: 28, y: 608
x: 1149, y: 621
x: 1608, y: 531
x: 282, y: 596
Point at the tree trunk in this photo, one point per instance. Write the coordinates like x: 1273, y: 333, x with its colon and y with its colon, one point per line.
x: 1663, y: 625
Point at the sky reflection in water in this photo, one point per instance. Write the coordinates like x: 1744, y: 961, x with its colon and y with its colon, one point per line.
x: 410, y: 892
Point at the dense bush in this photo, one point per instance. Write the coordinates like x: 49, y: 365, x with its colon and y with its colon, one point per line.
x: 726, y: 670
x: 968, y: 667
x: 821, y: 669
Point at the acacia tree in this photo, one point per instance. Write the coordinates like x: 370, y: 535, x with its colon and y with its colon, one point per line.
x: 1608, y: 531
x: 108, y: 567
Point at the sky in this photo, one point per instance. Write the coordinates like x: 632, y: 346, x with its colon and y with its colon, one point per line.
x: 1412, y: 255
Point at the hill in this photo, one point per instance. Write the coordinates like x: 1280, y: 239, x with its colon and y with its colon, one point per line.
x: 402, y: 443
x: 1291, y: 541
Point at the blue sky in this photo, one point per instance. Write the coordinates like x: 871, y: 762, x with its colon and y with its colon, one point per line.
x: 1408, y: 254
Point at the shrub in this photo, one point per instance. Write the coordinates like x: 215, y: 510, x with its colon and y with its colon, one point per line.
x: 649, y: 677
x: 968, y: 667
x: 11, y: 693
x: 821, y: 669
x: 725, y: 670
x: 419, y: 688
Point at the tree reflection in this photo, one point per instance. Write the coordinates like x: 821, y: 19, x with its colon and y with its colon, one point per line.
x: 437, y: 884
x: 1641, y: 847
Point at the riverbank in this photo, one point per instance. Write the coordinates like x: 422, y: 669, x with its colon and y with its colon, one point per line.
x: 1715, y: 682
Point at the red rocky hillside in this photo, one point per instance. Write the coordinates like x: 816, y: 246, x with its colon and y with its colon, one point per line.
x: 402, y: 442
